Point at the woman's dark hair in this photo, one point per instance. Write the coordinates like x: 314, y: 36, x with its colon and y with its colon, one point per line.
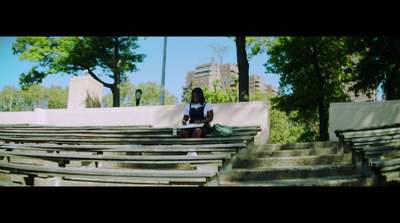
x: 201, y: 95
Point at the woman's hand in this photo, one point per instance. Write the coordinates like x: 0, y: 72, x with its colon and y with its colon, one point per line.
x: 199, y: 121
x: 185, y: 120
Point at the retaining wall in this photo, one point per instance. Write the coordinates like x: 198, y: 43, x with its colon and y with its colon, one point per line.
x: 231, y: 114
x: 362, y: 114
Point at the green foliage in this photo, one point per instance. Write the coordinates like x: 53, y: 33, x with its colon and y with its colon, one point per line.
x: 259, y: 95
x: 115, y: 55
x: 216, y: 96
x: 312, y: 72
x: 378, y: 64
x: 186, y: 97
x: 256, y: 45
x: 288, y: 128
x: 221, y: 94
x: 284, y: 128
x: 92, y: 101
x: 151, y: 95
x: 34, y: 96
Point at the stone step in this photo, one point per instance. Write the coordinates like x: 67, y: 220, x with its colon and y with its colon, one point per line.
x: 295, y: 146
x: 299, y: 164
x: 350, y: 180
x: 249, y: 162
x: 287, y: 172
x: 287, y: 153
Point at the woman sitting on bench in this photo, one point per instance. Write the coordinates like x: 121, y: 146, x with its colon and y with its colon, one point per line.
x: 199, y: 111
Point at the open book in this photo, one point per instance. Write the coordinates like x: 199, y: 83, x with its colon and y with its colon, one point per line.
x: 190, y: 126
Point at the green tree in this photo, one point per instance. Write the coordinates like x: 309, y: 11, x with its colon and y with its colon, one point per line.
x: 312, y: 72
x: 259, y: 95
x: 186, y: 97
x: 288, y: 128
x: 10, y: 93
x: 285, y: 128
x: 220, y: 52
x: 114, y: 55
x: 57, y: 97
x: 216, y: 96
x: 219, y: 95
x: 378, y: 64
x: 246, y: 49
x: 33, y: 96
x: 257, y: 44
x: 151, y: 93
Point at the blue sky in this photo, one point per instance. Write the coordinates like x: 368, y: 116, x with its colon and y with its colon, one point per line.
x: 183, y: 55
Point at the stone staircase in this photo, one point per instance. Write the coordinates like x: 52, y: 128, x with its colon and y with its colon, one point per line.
x: 300, y: 164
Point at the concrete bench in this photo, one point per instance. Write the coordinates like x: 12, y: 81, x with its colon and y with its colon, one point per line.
x: 369, y: 145
x: 228, y: 148
x: 349, y: 138
x: 61, y: 135
x: 387, y: 165
x: 212, y: 158
x: 357, y: 141
x: 28, y: 126
x: 115, y: 148
x: 65, y: 158
x: 67, y: 176
x: 85, y: 132
x: 115, y: 133
x: 122, y: 141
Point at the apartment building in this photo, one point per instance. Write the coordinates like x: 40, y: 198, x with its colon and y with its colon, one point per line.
x: 227, y: 74
x: 258, y: 83
x: 205, y: 74
x: 372, y: 95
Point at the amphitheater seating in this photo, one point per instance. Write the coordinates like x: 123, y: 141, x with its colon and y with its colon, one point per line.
x: 113, y: 156
x: 376, y: 150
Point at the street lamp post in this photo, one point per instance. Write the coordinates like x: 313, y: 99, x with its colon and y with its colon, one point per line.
x: 138, y: 94
x: 11, y: 101
x: 163, y: 71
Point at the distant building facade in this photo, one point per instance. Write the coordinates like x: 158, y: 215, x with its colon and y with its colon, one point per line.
x: 258, y: 83
x: 227, y: 74
x: 371, y: 95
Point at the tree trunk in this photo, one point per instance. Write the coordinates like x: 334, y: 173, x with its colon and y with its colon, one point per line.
x: 389, y: 88
x: 117, y: 75
x: 323, y: 116
x: 115, y: 87
x: 116, y: 99
x: 243, y: 65
x: 323, y: 121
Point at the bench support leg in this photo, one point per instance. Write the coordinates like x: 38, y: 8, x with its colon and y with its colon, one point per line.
x: 63, y: 163
x: 214, y: 180
x: 368, y: 172
x: 356, y: 158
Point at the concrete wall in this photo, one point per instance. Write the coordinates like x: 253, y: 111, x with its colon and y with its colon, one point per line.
x: 231, y: 114
x: 83, y: 89
x: 362, y: 114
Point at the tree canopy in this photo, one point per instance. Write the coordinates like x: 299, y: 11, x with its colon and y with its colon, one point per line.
x: 114, y: 55
x: 34, y: 96
x: 311, y: 70
x: 378, y: 64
